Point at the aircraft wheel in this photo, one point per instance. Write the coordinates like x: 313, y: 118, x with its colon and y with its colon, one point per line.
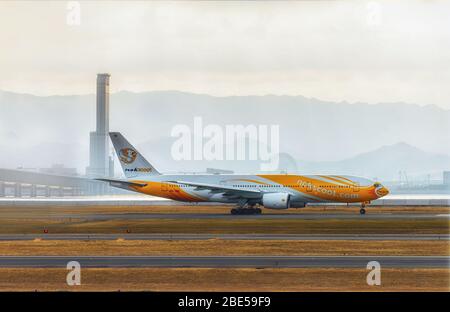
x: 258, y: 211
x: 362, y: 211
x: 234, y: 211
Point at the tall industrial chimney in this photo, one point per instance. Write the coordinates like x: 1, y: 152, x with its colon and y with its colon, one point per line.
x: 100, y: 164
x: 103, y: 103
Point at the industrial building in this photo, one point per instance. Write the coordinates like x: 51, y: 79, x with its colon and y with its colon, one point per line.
x: 18, y: 183
x: 446, y: 178
x: 101, y: 164
x: 59, y: 181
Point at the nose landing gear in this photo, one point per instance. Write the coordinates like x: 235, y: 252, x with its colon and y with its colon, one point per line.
x: 362, y: 211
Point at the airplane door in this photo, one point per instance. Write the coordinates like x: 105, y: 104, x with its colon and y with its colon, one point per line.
x: 309, y: 187
x: 164, y: 187
x: 356, y: 187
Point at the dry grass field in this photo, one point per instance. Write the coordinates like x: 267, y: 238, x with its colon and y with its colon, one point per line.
x: 239, y: 280
x: 36, y: 211
x: 228, y: 226
x: 31, y: 220
x: 222, y: 247
x: 18, y: 219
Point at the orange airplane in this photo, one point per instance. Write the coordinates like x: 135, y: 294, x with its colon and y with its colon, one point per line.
x: 272, y: 191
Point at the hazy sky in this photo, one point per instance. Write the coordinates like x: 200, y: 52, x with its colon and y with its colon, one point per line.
x: 353, y: 50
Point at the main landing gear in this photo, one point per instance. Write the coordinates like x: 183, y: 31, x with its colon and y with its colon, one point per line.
x: 244, y: 208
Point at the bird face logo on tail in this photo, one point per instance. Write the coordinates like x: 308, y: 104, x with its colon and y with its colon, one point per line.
x: 127, y: 155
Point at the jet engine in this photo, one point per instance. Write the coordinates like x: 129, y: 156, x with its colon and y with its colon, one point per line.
x: 276, y: 200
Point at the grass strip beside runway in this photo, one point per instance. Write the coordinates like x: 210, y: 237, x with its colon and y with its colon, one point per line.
x: 228, y: 226
x: 213, y: 247
x: 241, y: 280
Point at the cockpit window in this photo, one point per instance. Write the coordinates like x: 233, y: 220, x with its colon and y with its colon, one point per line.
x: 376, y: 184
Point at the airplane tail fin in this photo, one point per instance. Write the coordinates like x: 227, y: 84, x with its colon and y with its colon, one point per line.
x: 132, y: 162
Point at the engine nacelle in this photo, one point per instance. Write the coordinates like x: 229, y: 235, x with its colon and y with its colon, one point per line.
x: 276, y: 200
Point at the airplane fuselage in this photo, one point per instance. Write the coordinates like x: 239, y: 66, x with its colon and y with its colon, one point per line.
x: 273, y: 191
x: 302, y: 189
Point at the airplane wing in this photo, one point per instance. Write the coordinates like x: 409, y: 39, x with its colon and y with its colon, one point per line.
x: 121, y: 183
x: 226, y: 190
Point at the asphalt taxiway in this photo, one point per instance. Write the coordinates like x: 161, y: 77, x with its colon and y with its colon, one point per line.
x: 292, y: 237
x: 226, y: 261
x: 146, y: 200
x: 305, y: 216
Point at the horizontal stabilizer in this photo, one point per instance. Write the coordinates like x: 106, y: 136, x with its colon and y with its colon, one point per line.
x: 122, y: 184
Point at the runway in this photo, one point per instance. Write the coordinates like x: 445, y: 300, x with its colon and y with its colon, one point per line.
x: 291, y: 237
x: 305, y: 216
x: 145, y: 200
x: 226, y: 261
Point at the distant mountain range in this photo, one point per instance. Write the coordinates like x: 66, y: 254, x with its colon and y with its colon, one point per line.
x: 386, y: 163
x: 315, y: 135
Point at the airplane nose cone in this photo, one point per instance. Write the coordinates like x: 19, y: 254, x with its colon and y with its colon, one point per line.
x: 383, y: 191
